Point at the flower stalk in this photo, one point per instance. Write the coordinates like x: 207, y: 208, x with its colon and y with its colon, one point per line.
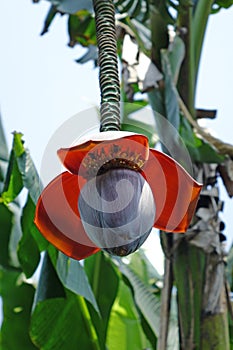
x: 108, y: 65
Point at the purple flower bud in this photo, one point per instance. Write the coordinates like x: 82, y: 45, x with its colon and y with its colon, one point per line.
x: 117, y: 210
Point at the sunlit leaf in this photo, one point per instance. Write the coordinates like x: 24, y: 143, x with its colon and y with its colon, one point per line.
x: 124, y: 330
x: 104, y: 286
x: 13, y: 182
x: 18, y: 144
x: 193, y: 266
x: 143, y: 268
x: 148, y: 303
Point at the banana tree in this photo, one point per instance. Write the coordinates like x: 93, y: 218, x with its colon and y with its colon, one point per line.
x: 194, y: 261
x: 167, y: 39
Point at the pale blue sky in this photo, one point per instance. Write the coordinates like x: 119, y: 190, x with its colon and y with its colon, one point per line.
x: 41, y: 86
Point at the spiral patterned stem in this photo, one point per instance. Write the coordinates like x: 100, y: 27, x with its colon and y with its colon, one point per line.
x: 108, y: 73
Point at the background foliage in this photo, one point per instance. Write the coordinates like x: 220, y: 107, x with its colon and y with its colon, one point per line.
x: 125, y: 313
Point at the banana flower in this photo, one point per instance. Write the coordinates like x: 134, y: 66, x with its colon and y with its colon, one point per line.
x: 115, y: 190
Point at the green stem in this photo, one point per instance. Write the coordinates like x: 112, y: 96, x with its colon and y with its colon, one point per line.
x: 215, y: 334
x: 165, y: 305
x: 189, y: 272
x: 108, y: 75
x: 95, y: 286
x: 88, y: 322
x: 200, y: 19
x: 186, y: 83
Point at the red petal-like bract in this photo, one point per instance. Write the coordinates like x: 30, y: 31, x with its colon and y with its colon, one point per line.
x: 175, y: 192
x: 58, y: 220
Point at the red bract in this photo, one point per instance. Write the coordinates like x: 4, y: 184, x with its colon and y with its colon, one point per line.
x: 165, y: 196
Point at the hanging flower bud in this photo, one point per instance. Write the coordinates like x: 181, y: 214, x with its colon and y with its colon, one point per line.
x: 117, y: 210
